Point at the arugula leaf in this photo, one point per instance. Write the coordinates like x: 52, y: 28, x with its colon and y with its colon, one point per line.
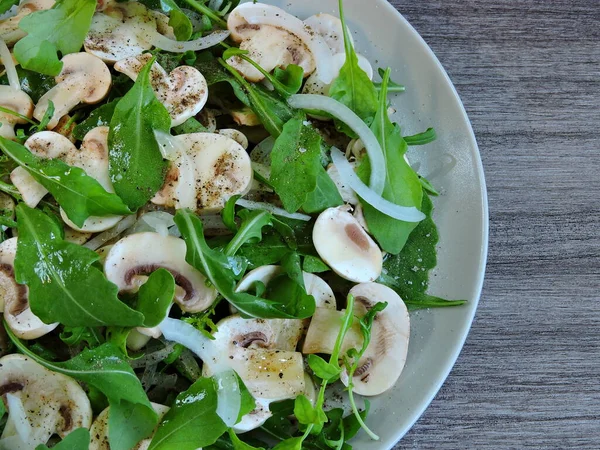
x: 423, y: 138
x: 137, y: 168
x: 32, y: 83
x: 250, y: 230
x: 62, y: 28
x: 99, y: 117
x: 392, y: 86
x: 78, y: 439
x: 402, y: 185
x: 239, y: 444
x: 295, y: 162
x: 131, y: 418
x: 74, y: 336
x: 5, y: 5
x: 64, y: 285
x: 326, y: 194
x: 408, y: 272
x: 353, y: 87
x: 214, y: 16
x: 192, y: 125
x: 80, y: 195
x: 192, y: 421
x: 155, y: 297
x: 314, y: 264
x: 218, y: 268
x: 181, y: 24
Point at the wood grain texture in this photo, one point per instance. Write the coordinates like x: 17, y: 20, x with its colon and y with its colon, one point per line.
x: 528, y: 73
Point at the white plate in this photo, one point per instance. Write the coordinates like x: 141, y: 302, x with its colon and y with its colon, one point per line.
x: 454, y: 166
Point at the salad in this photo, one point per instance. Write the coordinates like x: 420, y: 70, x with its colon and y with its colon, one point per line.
x: 211, y: 235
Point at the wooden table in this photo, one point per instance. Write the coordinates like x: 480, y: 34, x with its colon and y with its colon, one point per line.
x: 528, y: 72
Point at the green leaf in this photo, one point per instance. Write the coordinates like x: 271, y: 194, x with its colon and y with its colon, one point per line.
x: 62, y: 28
x: 192, y: 421
x: 182, y: 27
x: 99, y: 117
x: 353, y: 87
x: 47, y: 118
x: 80, y: 195
x: 137, y: 168
x: 314, y: 264
x: 392, y: 86
x: 290, y: 444
x: 64, y: 285
x: 155, y: 297
x: 5, y: 5
x: 78, y: 439
x: 423, y: 138
x: 326, y: 194
x: 218, y: 268
x: 324, y: 370
x: 296, y: 162
x: 402, y: 185
x: 75, y: 336
x: 104, y: 368
x: 408, y: 272
x: 192, y: 125
x: 250, y: 231
x: 239, y: 444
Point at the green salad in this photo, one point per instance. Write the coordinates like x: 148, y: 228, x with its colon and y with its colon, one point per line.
x: 211, y: 235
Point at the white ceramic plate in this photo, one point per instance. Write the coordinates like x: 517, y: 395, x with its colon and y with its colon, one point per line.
x: 454, y: 166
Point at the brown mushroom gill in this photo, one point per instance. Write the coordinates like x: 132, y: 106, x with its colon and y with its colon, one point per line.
x: 147, y: 269
x: 15, y: 295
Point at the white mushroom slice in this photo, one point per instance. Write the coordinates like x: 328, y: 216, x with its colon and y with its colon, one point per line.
x: 208, y: 171
x: 384, y: 358
x: 272, y: 47
x: 83, y: 79
x: 245, y: 117
x: 248, y: 19
x: 183, y: 92
x: 315, y: 86
x: 346, y: 247
x: 14, y: 298
x: 76, y: 237
x: 246, y: 346
x: 236, y: 135
x: 330, y: 28
x: 9, y: 28
x: 134, y: 257
x: 17, y: 101
x: 136, y: 340
x: 99, y: 430
x: 348, y: 195
x: 53, y: 403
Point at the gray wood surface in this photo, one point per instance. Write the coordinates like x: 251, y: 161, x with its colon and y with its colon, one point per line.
x: 528, y: 73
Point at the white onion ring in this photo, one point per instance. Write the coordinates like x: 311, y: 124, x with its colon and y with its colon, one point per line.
x: 349, y: 177
x: 102, y: 238
x: 256, y: 14
x: 169, y: 45
x: 249, y: 204
x: 9, y: 65
x: 229, y: 397
x: 346, y: 115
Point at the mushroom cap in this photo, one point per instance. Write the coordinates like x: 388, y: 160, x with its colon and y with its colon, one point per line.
x: 14, y: 298
x: 99, y: 430
x: 17, y: 101
x: 209, y: 170
x: 243, y: 345
x: 330, y: 28
x: 136, y: 256
x: 184, y: 91
x: 9, y: 28
x: 346, y: 247
x: 120, y: 31
x: 236, y: 135
x: 384, y: 359
x: 84, y: 78
x: 54, y: 403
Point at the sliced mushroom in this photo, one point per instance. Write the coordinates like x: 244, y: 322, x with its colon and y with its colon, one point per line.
x: 330, y: 28
x: 9, y: 28
x: 76, y: 237
x: 208, y: 170
x: 134, y: 257
x: 276, y: 38
x: 315, y: 86
x: 83, y: 79
x: 92, y: 158
x: 383, y: 361
x: 236, y: 135
x: 245, y: 117
x: 99, y: 430
x: 346, y: 247
x: 184, y: 91
x: 53, y: 403
x: 348, y: 195
x: 17, y: 101
x: 14, y: 298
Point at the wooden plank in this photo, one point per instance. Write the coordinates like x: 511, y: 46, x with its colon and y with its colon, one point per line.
x: 529, y: 75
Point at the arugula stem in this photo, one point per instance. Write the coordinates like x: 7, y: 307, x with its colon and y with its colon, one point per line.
x: 16, y: 114
x: 203, y: 9
x: 10, y: 190
x: 356, y: 412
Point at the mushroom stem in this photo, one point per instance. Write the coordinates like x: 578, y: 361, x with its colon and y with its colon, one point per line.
x: 169, y: 45
x: 64, y: 97
x: 9, y: 65
x: 323, y: 332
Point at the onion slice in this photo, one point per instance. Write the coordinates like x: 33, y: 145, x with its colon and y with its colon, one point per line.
x: 349, y: 177
x: 249, y: 204
x: 346, y: 115
x: 229, y: 397
x: 18, y: 417
x: 9, y: 65
x: 169, y: 45
x: 257, y: 14
x: 102, y: 238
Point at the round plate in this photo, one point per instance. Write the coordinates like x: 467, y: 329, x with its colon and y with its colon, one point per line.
x: 453, y: 165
